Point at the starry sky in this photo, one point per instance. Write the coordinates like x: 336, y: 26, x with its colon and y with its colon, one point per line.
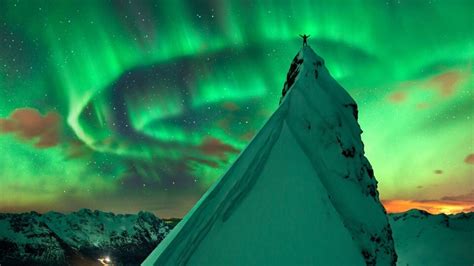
x: 141, y: 105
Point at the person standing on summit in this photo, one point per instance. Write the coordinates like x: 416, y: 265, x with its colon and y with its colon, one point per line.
x: 305, y: 38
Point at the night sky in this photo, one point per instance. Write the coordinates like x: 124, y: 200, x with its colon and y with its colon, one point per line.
x: 139, y: 105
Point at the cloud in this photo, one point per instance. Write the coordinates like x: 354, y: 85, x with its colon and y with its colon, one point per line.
x: 398, y: 96
x: 445, y: 83
x: 422, y: 105
x: 214, y: 147
x: 77, y: 149
x: 29, y: 125
x: 469, y: 159
x: 248, y: 136
x: 448, y: 82
x: 469, y: 197
x: 230, y: 106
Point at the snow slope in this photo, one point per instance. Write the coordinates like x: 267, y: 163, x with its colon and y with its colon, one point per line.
x: 302, y: 192
x: 425, y: 239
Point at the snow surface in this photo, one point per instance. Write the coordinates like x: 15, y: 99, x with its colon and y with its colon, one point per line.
x: 425, y: 239
x: 302, y: 192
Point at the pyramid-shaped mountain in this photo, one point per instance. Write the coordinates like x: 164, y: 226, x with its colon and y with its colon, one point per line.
x: 301, y: 193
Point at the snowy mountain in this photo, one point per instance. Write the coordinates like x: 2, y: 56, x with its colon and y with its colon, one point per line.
x: 302, y: 191
x: 78, y: 238
x: 420, y: 239
x: 425, y: 239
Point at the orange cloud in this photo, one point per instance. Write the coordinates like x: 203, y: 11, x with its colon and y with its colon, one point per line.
x: 469, y: 197
x: 398, y: 96
x: 230, y: 106
x: 469, y: 159
x: 422, y: 105
x: 215, y: 147
x: 448, y: 82
x: 431, y: 206
x: 248, y: 136
x: 29, y: 125
x: 77, y: 149
x: 445, y: 83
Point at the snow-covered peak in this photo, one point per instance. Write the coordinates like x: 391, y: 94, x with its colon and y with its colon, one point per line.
x: 414, y: 213
x: 310, y: 59
x: 309, y: 68
x: 305, y: 175
x: 323, y: 117
x: 302, y: 58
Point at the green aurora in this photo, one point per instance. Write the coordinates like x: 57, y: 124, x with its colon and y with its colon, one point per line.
x: 142, y: 105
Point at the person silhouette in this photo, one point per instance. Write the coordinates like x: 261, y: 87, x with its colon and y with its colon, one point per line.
x: 305, y: 38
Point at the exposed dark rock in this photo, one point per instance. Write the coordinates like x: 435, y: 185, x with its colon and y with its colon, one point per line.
x: 355, y: 111
x: 370, y: 171
x: 291, y: 75
x: 372, y: 190
x: 369, y: 259
x: 349, y: 152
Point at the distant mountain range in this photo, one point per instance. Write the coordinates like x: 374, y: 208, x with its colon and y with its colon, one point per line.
x: 84, y: 237
x: 425, y: 239
x: 78, y: 238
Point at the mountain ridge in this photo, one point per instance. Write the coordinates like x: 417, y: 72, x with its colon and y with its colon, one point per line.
x: 422, y: 238
x: 310, y: 155
x: 77, y: 238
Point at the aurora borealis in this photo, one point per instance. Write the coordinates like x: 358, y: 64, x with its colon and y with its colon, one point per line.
x: 141, y: 105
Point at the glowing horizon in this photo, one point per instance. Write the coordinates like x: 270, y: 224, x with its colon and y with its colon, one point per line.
x: 433, y: 207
